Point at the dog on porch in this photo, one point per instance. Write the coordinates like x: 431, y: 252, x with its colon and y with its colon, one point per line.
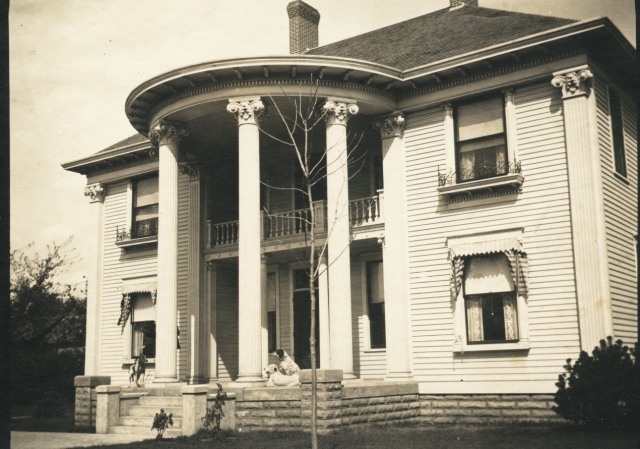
x: 287, y: 366
x: 277, y: 379
x: 137, y: 370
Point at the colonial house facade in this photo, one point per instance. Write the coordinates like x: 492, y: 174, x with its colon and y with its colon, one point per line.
x: 483, y: 230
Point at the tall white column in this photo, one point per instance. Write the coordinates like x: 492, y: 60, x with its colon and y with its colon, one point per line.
x: 394, y: 252
x: 337, y: 114
x: 212, y: 321
x: 264, y: 315
x: 195, y: 302
x: 587, y: 206
x: 167, y: 136
x: 323, y: 313
x: 96, y: 193
x: 249, y: 291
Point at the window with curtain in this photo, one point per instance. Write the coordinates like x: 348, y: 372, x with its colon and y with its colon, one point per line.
x: 271, y: 311
x: 143, y: 325
x: 481, y: 143
x: 145, y: 207
x: 375, y: 303
x: 617, y: 131
x: 490, y: 300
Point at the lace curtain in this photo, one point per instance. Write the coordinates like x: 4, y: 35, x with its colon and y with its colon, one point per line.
x: 510, y: 317
x: 474, y: 319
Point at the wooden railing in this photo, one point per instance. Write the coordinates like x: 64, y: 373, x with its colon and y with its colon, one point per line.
x: 366, y: 211
x: 362, y: 212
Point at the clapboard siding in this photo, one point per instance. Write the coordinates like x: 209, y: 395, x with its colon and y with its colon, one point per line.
x: 227, y: 320
x: 542, y: 208
x: 621, y: 214
x: 115, y: 268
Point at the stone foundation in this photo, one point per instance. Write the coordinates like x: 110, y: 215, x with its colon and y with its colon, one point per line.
x: 483, y: 409
x: 86, y: 400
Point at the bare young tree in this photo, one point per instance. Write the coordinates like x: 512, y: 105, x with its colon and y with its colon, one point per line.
x: 298, y: 126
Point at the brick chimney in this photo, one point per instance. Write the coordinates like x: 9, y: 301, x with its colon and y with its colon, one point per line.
x: 303, y: 27
x: 458, y: 3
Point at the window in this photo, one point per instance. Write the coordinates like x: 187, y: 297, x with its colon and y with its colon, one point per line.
x: 490, y: 300
x: 145, y: 207
x: 271, y: 311
x: 375, y: 303
x: 617, y: 131
x: 143, y: 326
x: 481, y: 143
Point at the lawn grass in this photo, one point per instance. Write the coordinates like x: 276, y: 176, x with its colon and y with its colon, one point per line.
x: 22, y: 419
x: 519, y: 436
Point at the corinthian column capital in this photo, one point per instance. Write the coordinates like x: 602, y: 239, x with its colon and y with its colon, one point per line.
x: 574, y: 82
x: 165, y: 133
x: 338, y: 112
x: 391, y: 126
x: 246, y: 111
x: 95, y: 192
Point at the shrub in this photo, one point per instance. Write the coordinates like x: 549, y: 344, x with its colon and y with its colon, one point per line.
x: 211, y: 421
x: 161, y: 422
x: 602, y: 390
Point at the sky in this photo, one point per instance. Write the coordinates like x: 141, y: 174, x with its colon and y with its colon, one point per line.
x: 72, y: 64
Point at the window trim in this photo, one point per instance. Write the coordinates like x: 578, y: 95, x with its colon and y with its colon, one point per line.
x: 460, y: 342
x: 366, y: 324
x: 624, y: 175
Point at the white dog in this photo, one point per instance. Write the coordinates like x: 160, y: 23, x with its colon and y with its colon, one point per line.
x: 277, y: 379
x: 287, y: 366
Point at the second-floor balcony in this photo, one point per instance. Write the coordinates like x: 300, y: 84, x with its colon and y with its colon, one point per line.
x: 364, y: 213
x: 142, y: 232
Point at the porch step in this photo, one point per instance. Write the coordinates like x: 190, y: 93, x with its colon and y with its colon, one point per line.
x: 144, y: 410
x: 146, y: 421
x: 161, y: 401
x: 164, y: 392
x: 146, y: 431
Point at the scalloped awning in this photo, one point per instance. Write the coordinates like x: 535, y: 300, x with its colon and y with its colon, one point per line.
x: 500, y: 245
x: 147, y: 284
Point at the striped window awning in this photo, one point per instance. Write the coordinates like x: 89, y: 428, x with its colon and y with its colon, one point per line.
x: 147, y: 284
x: 461, y: 248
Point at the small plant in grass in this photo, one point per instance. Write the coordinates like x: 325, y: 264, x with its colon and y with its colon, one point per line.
x: 211, y: 421
x: 603, y: 390
x: 161, y: 422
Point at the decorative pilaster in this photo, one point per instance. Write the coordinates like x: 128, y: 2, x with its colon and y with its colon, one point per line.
x: 212, y: 318
x: 96, y: 193
x: 323, y: 312
x: 395, y: 249
x: 167, y: 136
x: 587, y: 207
x: 337, y: 115
x: 247, y: 112
x: 449, y: 140
x: 195, y: 272
x: 510, y: 122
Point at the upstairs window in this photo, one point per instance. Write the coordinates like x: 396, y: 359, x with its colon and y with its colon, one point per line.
x: 145, y: 207
x: 617, y: 131
x: 375, y: 303
x: 481, y: 142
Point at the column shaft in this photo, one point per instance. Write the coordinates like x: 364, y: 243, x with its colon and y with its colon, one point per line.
x: 212, y: 318
x: 338, y: 234
x: 195, y: 316
x: 264, y: 315
x: 250, y: 283
x: 166, y: 303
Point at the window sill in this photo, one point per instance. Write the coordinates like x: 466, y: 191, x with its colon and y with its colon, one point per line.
x: 497, y: 347
x: 375, y: 350
x: 511, y: 180
x: 621, y: 178
x: 126, y: 361
x: 137, y: 242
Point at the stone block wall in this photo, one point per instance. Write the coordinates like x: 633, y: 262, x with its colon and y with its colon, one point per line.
x: 483, y: 409
x: 268, y: 408
x: 329, y: 399
x: 86, y: 400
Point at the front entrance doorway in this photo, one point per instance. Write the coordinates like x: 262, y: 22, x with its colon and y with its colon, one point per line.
x: 302, y: 320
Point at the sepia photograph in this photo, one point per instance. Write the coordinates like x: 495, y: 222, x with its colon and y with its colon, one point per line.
x: 323, y: 224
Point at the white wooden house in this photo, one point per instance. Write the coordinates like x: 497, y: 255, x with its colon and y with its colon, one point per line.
x: 491, y: 230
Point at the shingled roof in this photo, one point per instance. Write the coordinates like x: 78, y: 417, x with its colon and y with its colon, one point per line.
x: 439, y: 35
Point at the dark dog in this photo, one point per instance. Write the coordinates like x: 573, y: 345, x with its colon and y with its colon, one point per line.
x: 137, y: 369
x: 287, y: 366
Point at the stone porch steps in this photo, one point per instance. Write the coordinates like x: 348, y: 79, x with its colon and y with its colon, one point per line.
x: 139, y: 418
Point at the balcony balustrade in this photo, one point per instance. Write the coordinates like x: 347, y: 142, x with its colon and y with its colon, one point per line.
x: 141, y: 229
x: 362, y: 212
